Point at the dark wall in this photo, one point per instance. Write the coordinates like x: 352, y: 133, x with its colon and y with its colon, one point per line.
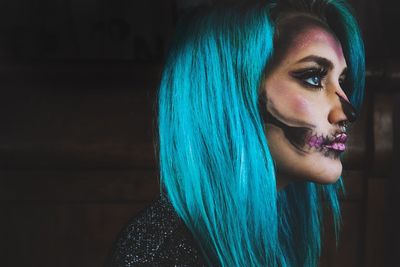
x: 89, y: 29
x: 78, y: 81
x: 137, y: 30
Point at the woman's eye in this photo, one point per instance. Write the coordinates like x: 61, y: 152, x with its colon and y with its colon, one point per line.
x: 311, y: 77
x: 314, y: 81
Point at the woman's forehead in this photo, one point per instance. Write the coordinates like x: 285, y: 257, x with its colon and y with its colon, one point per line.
x: 315, y: 41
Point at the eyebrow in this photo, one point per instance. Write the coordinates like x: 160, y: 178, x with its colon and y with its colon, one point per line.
x: 323, y: 62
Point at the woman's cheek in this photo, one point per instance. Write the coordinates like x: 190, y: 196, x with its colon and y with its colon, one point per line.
x: 287, y: 99
x: 300, y: 105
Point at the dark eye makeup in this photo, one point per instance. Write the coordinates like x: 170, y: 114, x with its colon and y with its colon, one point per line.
x: 311, y: 77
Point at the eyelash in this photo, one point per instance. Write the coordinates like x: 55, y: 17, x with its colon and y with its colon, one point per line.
x: 304, y: 75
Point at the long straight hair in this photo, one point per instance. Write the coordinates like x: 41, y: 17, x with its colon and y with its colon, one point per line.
x: 215, y: 165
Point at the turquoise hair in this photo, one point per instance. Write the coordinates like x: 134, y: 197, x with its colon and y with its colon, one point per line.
x: 215, y: 165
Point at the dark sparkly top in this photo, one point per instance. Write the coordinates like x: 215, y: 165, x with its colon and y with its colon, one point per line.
x: 156, y: 237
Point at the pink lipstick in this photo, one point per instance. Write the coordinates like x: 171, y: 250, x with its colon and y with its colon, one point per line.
x: 338, y: 143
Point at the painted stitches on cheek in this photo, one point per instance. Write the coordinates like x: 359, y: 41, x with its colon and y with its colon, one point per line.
x: 331, y: 146
x: 297, y: 136
x: 336, y: 142
x: 316, y: 141
x: 305, y: 140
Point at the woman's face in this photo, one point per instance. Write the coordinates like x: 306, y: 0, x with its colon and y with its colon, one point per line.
x: 307, y: 108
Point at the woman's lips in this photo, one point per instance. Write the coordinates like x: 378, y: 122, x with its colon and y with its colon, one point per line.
x: 341, y: 137
x: 338, y: 143
x: 336, y: 146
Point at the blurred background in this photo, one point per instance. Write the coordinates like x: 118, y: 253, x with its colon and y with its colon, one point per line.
x: 78, y: 80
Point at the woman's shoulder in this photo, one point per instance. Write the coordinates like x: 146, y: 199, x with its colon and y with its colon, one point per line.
x: 155, y: 237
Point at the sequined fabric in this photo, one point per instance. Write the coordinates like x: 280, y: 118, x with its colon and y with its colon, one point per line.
x: 156, y: 237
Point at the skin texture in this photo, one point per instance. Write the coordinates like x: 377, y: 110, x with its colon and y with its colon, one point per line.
x: 305, y: 113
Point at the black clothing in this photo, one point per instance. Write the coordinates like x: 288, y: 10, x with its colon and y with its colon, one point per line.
x: 156, y: 237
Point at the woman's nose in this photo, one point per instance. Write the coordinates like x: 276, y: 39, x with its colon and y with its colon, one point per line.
x: 342, y: 110
x: 348, y: 109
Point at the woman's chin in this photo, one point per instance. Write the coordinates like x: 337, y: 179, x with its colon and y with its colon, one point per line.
x: 312, y: 168
x: 325, y: 170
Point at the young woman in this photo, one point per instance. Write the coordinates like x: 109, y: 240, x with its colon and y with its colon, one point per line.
x: 254, y: 105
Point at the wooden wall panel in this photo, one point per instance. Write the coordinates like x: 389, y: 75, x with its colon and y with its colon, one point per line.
x: 392, y: 197
x: 383, y: 133
x: 349, y: 251
x: 375, y: 219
